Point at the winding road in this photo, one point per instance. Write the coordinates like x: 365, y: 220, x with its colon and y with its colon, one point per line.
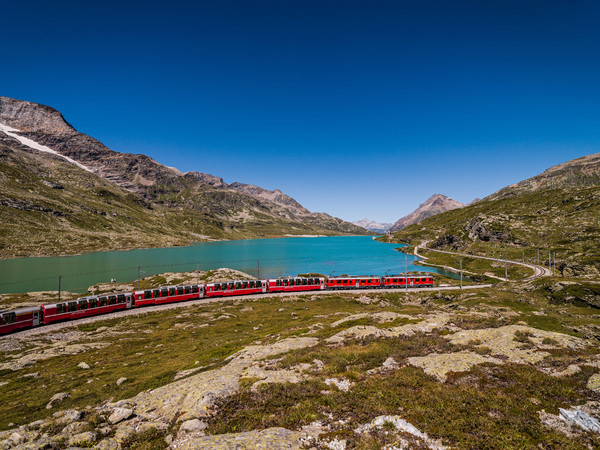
x: 538, y: 271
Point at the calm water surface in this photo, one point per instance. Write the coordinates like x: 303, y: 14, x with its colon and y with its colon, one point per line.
x: 354, y: 255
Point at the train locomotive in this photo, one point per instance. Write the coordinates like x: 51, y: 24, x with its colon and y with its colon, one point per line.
x: 106, y: 303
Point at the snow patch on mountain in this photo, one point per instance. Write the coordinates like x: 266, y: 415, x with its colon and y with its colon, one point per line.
x: 12, y: 132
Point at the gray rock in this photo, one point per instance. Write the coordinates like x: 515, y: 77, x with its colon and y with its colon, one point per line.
x: 35, y: 375
x: 193, y: 425
x: 83, y: 365
x: 120, y: 414
x: 74, y: 428
x: 108, y: 444
x: 581, y: 419
x: 169, y: 439
x: 390, y: 363
x: 121, y: 380
x: 57, y: 398
x: 72, y: 415
x: 35, y: 425
x: 16, y: 438
x: 84, y: 438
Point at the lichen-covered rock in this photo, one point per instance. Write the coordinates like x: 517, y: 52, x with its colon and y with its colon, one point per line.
x: 192, y: 425
x: 57, y: 398
x: 594, y: 382
x: 279, y: 438
x: 195, y: 395
x: 440, y: 364
x: 120, y: 414
x: 108, y: 444
x: 502, y: 341
x: 83, y: 365
x: 121, y: 380
x: 82, y: 439
x: 362, y: 331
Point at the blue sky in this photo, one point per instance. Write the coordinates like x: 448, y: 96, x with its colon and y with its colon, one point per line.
x: 358, y: 109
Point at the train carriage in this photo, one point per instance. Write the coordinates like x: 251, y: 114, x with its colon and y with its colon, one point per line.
x: 228, y: 288
x: 87, y: 306
x: 20, y: 318
x: 168, y: 294
x: 401, y: 281
x: 363, y: 282
x: 296, y: 284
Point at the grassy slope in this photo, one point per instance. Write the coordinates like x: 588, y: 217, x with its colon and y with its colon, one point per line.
x: 62, y: 209
x: 565, y: 221
x: 487, y: 406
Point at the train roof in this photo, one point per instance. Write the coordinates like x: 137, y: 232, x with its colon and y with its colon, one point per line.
x: 24, y: 310
x: 232, y: 281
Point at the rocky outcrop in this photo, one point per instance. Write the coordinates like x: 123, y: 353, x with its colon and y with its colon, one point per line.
x: 434, y: 205
x: 33, y: 117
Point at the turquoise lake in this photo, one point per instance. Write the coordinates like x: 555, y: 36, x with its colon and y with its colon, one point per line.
x: 353, y: 255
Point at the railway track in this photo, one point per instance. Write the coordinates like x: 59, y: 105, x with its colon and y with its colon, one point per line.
x: 204, y: 301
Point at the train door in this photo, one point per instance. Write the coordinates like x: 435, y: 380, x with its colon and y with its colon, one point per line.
x: 36, y: 318
x: 128, y: 301
x: 265, y: 286
x: 322, y: 283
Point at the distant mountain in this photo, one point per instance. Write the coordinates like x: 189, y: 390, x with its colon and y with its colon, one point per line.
x: 435, y: 204
x: 163, y: 206
x: 580, y: 172
x: 373, y: 226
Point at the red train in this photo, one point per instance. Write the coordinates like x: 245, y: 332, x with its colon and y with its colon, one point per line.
x: 105, y: 303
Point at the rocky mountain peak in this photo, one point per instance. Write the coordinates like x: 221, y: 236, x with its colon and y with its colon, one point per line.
x: 33, y: 117
x: 436, y: 204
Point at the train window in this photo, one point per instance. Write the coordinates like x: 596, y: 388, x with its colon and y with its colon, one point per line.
x: 147, y: 294
x: 72, y: 306
x: 121, y: 298
x: 309, y: 281
x: 259, y: 284
x: 93, y: 302
x: 164, y: 292
x: 155, y: 293
x: 9, y: 317
x: 187, y: 289
x: 83, y: 304
x: 285, y: 282
x: 171, y: 291
x: 238, y: 285
x: 179, y: 290
x: 278, y: 283
x: 194, y: 289
x: 102, y: 301
x: 231, y: 285
x: 251, y: 284
x: 61, y: 308
x: 112, y: 300
x: 245, y: 284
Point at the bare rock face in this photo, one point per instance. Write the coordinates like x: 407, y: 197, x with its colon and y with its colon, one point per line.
x: 434, y: 205
x: 32, y: 117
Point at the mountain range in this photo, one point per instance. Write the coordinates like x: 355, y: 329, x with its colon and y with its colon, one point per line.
x: 373, y: 226
x: 62, y: 191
